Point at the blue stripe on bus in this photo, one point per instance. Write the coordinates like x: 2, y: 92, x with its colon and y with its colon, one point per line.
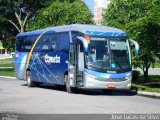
x: 112, y: 75
x: 108, y: 34
x: 20, y: 64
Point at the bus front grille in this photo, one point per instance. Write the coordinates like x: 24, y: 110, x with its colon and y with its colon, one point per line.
x: 111, y: 79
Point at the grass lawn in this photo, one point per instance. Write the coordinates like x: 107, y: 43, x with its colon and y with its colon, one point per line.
x: 153, y: 85
x: 10, y: 73
x: 156, y: 65
x: 7, y: 65
x: 7, y: 73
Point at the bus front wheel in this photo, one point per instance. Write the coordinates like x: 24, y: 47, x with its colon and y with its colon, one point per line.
x: 69, y: 89
x: 30, y: 83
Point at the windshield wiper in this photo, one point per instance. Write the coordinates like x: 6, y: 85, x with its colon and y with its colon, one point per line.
x: 93, y: 67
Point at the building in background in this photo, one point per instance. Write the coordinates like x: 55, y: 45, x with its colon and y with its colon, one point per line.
x: 99, y: 6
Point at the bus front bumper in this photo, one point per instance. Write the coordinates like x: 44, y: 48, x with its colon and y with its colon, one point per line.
x: 93, y: 83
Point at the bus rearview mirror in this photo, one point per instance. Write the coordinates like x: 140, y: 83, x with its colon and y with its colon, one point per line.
x: 137, y: 50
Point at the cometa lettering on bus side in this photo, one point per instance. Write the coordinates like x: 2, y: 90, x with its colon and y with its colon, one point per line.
x: 50, y: 59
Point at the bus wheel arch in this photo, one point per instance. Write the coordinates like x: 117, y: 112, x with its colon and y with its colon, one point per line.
x: 65, y: 73
x: 28, y: 69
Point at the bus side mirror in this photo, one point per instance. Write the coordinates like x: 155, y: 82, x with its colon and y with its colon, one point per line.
x: 85, y: 44
x: 137, y: 51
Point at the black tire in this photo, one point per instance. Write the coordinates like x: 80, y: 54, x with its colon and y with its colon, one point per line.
x: 69, y: 89
x: 30, y: 83
x: 37, y: 84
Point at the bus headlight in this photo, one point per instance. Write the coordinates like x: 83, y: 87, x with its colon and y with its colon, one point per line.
x: 128, y: 77
x: 89, y: 76
x: 89, y: 79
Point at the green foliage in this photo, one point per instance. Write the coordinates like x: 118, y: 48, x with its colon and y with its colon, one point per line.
x: 62, y: 12
x: 122, y: 12
x: 7, y: 73
x: 150, y: 86
x: 156, y: 65
x: 7, y: 9
x: 147, y: 33
x: 141, y: 20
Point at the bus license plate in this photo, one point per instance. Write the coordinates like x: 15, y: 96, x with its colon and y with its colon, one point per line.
x: 111, y: 85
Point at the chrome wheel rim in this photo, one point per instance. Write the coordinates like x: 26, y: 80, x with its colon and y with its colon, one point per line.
x: 28, y: 80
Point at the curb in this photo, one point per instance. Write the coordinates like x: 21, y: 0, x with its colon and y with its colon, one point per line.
x: 149, y: 94
x: 8, y: 77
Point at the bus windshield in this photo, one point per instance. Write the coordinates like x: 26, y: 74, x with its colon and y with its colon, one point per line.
x: 108, y: 55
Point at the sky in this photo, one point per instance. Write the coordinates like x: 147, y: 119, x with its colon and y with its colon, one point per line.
x: 90, y: 4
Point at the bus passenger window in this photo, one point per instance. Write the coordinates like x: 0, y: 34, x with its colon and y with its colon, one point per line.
x: 53, y: 47
x: 45, y: 48
x: 53, y: 43
x: 63, y: 39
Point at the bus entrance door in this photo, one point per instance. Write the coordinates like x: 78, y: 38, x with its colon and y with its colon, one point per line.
x: 71, y: 82
x: 76, y: 65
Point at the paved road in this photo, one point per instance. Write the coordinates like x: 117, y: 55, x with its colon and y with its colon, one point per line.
x: 16, y: 97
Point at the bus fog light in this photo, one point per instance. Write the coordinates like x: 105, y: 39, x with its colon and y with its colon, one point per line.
x: 89, y: 76
x: 90, y: 83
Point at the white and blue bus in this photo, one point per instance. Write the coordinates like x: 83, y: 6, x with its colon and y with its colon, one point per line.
x: 77, y: 56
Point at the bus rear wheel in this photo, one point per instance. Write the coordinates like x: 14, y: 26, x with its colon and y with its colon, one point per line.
x: 30, y: 83
x: 69, y: 89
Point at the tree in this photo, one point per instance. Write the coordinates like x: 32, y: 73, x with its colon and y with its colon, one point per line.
x: 148, y: 35
x: 141, y: 20
x: 62, y: 12
x: 22, y: 22
x: 10, y: 10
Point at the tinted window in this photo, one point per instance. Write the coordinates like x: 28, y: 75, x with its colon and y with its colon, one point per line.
x: 47, y: 43
x: 63, y: 38
x: 52, y: 42
x: 24, y: 43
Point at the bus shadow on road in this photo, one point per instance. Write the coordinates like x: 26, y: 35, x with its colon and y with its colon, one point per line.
x: 50, y: 87
x: 90, y: 92
x: 108, y: 93
x: 53, y: 87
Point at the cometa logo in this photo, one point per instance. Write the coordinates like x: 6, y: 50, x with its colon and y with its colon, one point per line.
x: 50, y: 59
